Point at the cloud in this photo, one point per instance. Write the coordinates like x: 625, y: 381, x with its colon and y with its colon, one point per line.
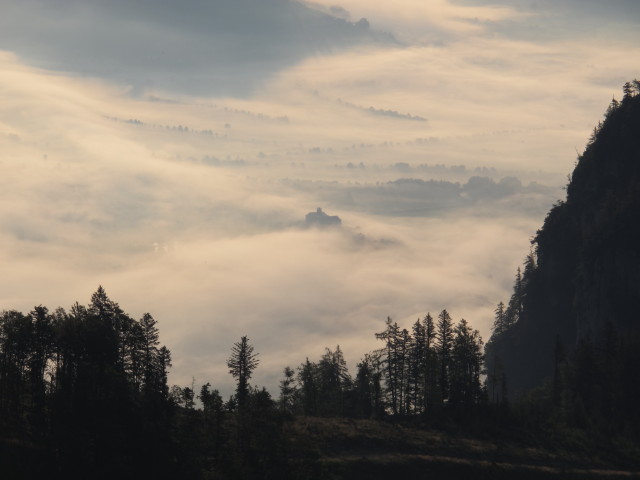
x: 218, y: 46
x: 214, y: 251
x: 550, y: 21
x: 415, y: 20
x: 189, y: 206
x: 441, y: 21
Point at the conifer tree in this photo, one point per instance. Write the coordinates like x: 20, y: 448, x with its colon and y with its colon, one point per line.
x: 466, y: 365
x: 308, y: 387
x: 149, y: 340
x: 444, y: 343
x: 499, y: 323
x: 333, y: 380
x: 364, y: 388
x: 417, y: 366
x: 430, y: 373
x: 391, y: 337
x: 287, y: 390
x: 515, y: 308
x: 404, y: 346
x: 242, y: 363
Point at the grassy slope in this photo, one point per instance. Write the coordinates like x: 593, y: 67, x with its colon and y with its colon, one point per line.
x: 375, y: 450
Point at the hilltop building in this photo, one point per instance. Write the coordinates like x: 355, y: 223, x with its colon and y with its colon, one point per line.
x: 321, y: 219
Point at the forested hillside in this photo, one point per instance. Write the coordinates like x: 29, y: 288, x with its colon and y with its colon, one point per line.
x: 573, y: 315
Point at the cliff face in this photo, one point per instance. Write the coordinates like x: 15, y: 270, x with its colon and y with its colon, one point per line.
x: 606, y: 192
x: 586, y: 268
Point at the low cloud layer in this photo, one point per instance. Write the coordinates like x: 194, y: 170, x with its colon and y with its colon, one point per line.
x: 441, y: 160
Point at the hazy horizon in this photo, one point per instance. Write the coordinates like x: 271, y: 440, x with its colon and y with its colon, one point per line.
x: 172, y: 159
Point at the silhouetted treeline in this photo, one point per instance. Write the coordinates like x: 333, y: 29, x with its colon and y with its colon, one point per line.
x: 83, y: 390
x: 84, y: 394
x: 86, y: 390
x: 420, y: 372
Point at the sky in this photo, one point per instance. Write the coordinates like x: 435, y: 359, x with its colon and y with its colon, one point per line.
x: 169, y: 151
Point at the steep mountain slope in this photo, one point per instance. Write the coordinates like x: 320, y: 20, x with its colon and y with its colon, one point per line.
x: 584, y: 272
